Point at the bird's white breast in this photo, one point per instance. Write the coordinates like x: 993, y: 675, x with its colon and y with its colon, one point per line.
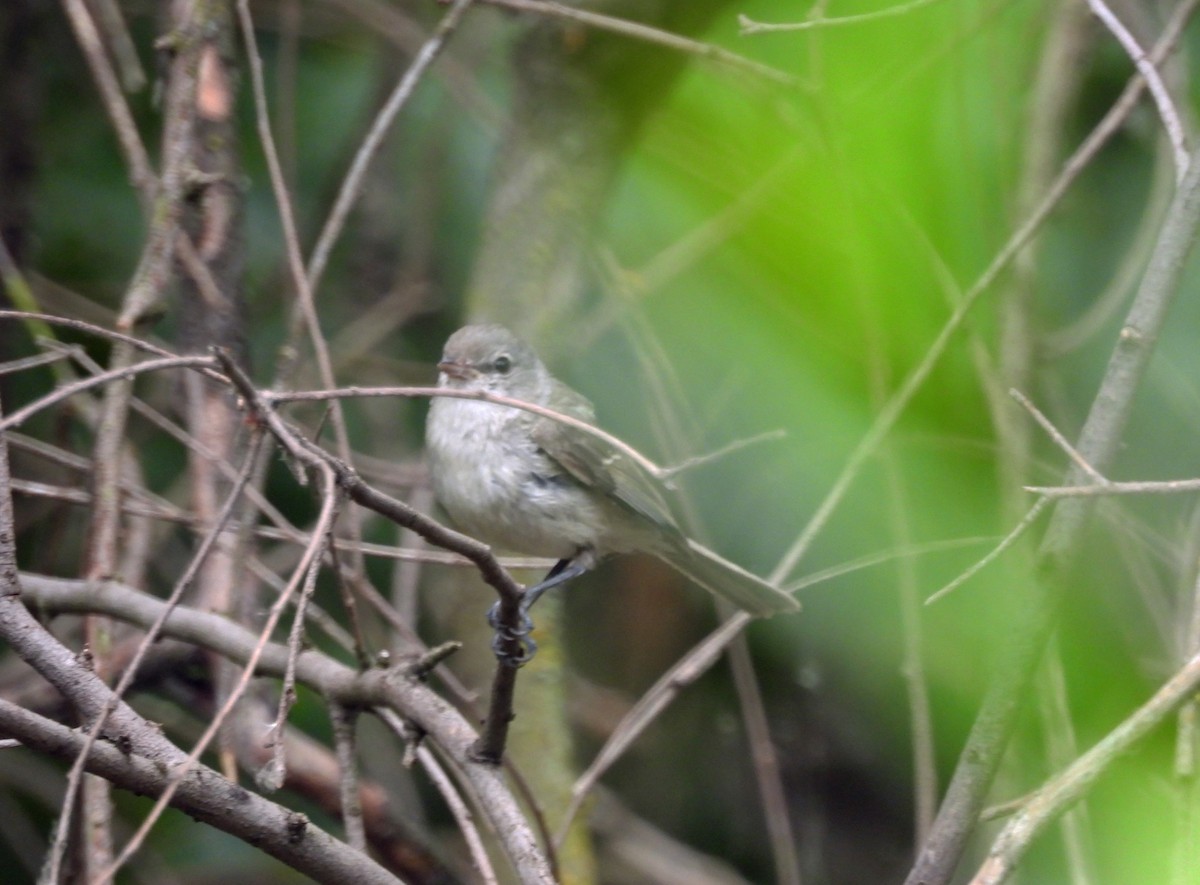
x: 497, y: 486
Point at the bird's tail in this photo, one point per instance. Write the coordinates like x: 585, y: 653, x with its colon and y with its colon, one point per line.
x: 729, y: 580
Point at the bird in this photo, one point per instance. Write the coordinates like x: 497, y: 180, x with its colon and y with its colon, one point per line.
x: 536, y: 486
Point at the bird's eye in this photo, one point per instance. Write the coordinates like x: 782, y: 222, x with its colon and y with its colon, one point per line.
x: 502, y: 364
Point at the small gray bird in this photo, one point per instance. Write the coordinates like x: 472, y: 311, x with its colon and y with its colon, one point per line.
x: 539, y: 487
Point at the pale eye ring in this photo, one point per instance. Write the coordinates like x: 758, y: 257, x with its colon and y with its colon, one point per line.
x: 502, y: 364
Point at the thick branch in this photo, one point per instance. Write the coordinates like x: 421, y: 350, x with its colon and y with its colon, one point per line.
x: 334, y: 680
x: 208, y: 797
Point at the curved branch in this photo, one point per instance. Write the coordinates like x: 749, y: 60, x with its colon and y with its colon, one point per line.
x: 208, y: 797
x: 334, y: 680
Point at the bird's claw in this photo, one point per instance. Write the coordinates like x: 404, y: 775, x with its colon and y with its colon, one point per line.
x: 507, y: 636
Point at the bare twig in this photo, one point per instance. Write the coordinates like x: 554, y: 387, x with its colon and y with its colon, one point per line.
x: 12, y: 367
x: 1062, y: 748
x: 658, y: 697
x: 355, y: 176
x: 1162, y: 98
x: 462, y: 815
x: 1108, y: 487
x: 766, y: 764
x: 21, y: 296
x: 1006, y: 542
x: 716, y: 454
x: 1059, y: 794
x: 121, y: 373
x: 120, y: 44
x: 1058, y: 438
x: 818, y: 19
x: 903, y: 551
x: 343, y: 392
x: 274, y: 774
x: 912, y: 662
x: 88, y: 36
x: 453, y: 799
x: 639, y: 31
x: 89, y: 328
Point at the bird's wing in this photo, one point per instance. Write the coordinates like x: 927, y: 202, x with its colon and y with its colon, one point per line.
x: 595, y: 464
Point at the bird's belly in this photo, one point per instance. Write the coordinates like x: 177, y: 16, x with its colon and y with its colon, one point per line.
x: 503, y: 501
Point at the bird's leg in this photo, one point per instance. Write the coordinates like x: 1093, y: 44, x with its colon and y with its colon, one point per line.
x: 563, y: 571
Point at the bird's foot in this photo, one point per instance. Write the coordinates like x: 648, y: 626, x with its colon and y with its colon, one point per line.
x: 506, y: 637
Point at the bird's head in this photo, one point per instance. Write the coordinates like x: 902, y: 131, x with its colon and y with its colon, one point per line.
x: 490, y: 358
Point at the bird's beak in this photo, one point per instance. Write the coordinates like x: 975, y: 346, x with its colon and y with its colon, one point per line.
x: 461, y: 371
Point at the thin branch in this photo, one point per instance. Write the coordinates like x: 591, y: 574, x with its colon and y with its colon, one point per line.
x: 120, y: 45
x: 355, y: 176
x: 1062, y: 748
x: 817, y: 19
x: 462, y: 815
x: 451, y: 796
x: 766, y: 764
x: 88, y: 36
x: 1062, y: 792
x: 658, y: 697
x: 89, y: 328
x: 904, y: 551
x: 1162, y: 98
x: 273, y: 774
x: 716, y: 454
x: 21, y: 296
x: 1058, y: 438
x: 571, y: 421
x: 121, y: 373
x: 239, y: 688
x: 912, y: 664
x: 639, y: 31
x: 1148, y: 487
x: 12, y: 367
x: 1006, y: 542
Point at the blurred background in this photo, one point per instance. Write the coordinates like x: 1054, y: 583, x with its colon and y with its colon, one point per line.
x: 712, y: 250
